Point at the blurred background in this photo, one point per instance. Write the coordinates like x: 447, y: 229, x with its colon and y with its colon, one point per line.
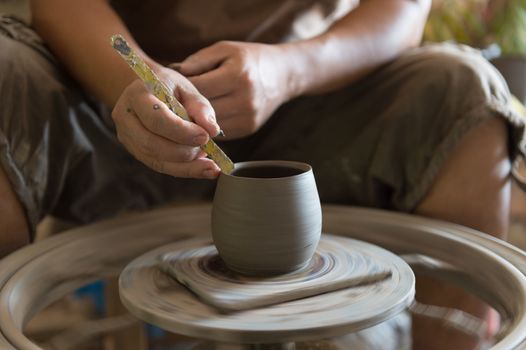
x: 497, y: 27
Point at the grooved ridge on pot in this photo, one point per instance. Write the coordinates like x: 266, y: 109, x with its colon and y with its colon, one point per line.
x: 266, y: 217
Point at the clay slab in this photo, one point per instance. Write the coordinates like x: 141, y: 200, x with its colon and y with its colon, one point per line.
x: 337, y: 264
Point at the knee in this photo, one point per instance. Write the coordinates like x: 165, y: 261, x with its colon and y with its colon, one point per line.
x: 23, y: 69
x: 459, y: 74
x: 14, y: 58
x: 30, y: 85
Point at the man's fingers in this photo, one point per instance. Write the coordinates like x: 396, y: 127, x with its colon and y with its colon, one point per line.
x: 225, y: 107
x: 201, y: 111
x: 233, y: 116
x: 216, y: 83
x: 203, y: 61
x: 156, y: 117
x: 135, y: 137
x: 165, y: 156
x: 234, y: 128
x: 201, y: 168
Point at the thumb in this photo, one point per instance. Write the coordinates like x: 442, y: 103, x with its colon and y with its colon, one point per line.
x: 200, y: 110
x: 203, y: 61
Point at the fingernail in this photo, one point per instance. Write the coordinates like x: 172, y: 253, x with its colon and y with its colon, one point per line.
x: 212, y: 119
x: 217, y: 128
x: 200, y: 140
x: 210, y: 173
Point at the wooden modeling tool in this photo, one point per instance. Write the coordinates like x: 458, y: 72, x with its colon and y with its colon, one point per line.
x: 163, y: 93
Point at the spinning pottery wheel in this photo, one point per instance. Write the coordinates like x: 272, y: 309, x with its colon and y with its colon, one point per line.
x: 34, y: 277
x: 155, y: 297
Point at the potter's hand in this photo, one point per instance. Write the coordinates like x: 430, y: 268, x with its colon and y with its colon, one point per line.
x: 159, y: 138
x: 245, y: 82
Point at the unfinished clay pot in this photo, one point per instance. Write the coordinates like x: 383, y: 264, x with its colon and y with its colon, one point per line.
x: 266, y: 217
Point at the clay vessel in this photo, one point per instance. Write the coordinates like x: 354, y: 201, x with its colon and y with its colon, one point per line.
x: 266, y: 217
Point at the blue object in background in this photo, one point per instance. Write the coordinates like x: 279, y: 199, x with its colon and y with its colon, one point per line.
x: 95, y: 293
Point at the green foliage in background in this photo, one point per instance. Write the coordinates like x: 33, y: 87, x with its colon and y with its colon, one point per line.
x: 508, y: 28
x: 480, y: 23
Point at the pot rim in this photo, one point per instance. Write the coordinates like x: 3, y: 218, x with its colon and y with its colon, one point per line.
x: 305, y: 169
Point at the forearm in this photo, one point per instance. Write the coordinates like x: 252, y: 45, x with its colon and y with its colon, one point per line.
x: 78, y: 32
x: 374, y: 33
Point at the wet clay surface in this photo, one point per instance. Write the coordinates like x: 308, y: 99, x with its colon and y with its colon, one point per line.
x: 158, y: 298
x: 337, y: 264
x: 266, y: 217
